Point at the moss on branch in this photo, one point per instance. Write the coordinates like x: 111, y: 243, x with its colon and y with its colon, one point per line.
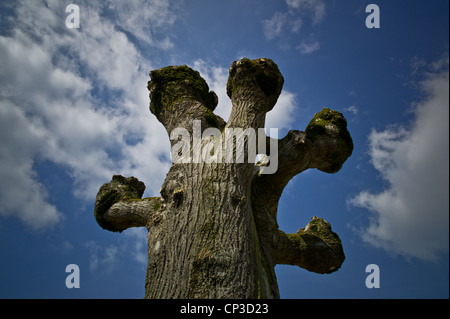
x: 119, y: 189
x: 328, y: 132
x: 315, y: 248
x: 263, y: 71
x: 172, y: 83
x: 102, y: 205
x: 329, y: 122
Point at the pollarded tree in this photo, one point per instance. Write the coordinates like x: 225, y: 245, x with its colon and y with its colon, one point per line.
x: 213, y: 233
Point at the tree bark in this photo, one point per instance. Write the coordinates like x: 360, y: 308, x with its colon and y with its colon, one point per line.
x: 213, y: 232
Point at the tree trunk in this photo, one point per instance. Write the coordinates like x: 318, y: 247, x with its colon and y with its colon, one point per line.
x: 213, y: 232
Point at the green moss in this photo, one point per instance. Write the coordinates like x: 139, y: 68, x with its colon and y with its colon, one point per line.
x: 320, y: 228
x: 232, y: 86
x: 156, y: 200
x: 185, y: 74
x: 133, y: 199
x: 332, y: 124
x: 157, y: 205
x: 129, y: 187
x: 267, y: 79
x: 266, y: 76
x: 204, y: 253
x: 171, y: 83
x: 210, y: 117
x: 120, y: 189
x: 208, y: 233
x: 108, y: 199
x: 318, y: 125
x: 296, y: 238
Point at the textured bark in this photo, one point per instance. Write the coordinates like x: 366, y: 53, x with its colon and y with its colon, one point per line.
x: 213, y: 233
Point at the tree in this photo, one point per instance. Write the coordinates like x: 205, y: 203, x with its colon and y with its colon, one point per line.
x: 213, y: 233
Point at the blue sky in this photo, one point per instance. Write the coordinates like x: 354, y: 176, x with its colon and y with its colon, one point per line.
x: 74, y: 111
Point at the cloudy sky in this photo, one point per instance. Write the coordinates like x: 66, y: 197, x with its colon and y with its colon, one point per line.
x: 74, y: 111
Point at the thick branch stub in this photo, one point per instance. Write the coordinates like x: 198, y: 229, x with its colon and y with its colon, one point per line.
x: 326, y: 144
x: 179, y: 95
x: 332, y: 143
x: 253, y: 87
x: 119, y: 206
x: 315, y: 248
x: 260, y: 74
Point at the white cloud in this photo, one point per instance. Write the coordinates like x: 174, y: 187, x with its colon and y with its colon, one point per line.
x: 137, y: 239
x: 216, y: 77
x: 143, y: 17
x: 282, y: 114
x: 308, y: 46
x: 101, y: 259
x: 274, y: 25
x: 293, y: 19
x: 352, y: 109
x: 21, y: 195
x: 317, y: 8
x: 411, y: 216
x: 352, y: 112
x: 78, y: 99
x: 132, y: 245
